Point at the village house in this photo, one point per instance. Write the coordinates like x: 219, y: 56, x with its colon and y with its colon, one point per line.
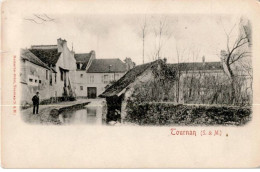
x: 83, y: 62
x: 57, y: 73
x: 199, y: 81
x: 94, y: 75
x: 148, y: 76
x: 55, y: 81
x: 98, y: 73
x: 101, y: 73
x: 33, y: 77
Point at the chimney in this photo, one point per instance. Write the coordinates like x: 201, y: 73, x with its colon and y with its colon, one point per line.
x: 203, y: 60
x: 110, y: 68
x: 72, y: 51
x: 61, y: 43
x: 93, y: 54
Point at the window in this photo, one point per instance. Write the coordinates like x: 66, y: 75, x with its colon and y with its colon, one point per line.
x: 55, y: 76
x: 81, y: 75
x: 112, y: 77
x: 50, y: 78
x: 47, y: 74
x: 117, y: 76
x: 81, y: 88
x: 91, y: 79
x: 61, y: 75
x: 78, y: 65
x: 40, y: 81
x: 33, y: 80
x: 106, y: 79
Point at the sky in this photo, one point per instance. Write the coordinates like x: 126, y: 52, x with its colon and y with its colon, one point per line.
x: 119, y: 36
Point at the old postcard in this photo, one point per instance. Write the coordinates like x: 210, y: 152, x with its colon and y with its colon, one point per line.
x: 130, y: 84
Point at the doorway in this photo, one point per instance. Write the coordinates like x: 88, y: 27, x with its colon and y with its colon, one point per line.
x: 92, y: 92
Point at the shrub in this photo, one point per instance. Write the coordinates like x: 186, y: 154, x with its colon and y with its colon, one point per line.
x: 172, y: 114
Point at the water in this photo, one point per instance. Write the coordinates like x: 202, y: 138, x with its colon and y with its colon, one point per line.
x: 92, y: 114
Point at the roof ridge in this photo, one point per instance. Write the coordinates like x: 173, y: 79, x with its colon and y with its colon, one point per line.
x: 82, y: 53
x: 45, y: 45
x: 196, y: 62
x: 109, y: 59
x: 42, y: 49
x: 107, y: 65
x: 137, y: 74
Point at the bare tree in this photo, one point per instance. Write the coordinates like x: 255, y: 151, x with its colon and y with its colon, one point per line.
x: 40, y: 18
x: 144, y: 31
x: 162, y: 34
x: 235, y: 52
x: 179, y: 75
x: 179, y: 68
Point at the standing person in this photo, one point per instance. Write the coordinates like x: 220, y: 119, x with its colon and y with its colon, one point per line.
x: 36, y: 101
x: 117, y: 115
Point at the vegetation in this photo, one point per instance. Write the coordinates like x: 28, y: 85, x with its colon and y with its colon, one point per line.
x: 172, y: 114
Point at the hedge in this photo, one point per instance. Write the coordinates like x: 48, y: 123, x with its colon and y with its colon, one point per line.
x: 172, y: 114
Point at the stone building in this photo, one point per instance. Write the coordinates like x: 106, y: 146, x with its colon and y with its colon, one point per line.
x: 94, y: 75
x: 83, y: 62
x: 101, y: 73
x: 199, y: 81
x: 152, y: 81
x: 33, y: 77
x: 57, y: 73
x: 56, y: 81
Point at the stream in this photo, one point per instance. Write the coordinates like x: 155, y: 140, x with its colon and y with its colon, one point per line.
x: 91, y: 114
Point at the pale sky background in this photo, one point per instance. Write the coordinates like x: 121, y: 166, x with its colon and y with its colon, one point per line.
x: 118, y: 36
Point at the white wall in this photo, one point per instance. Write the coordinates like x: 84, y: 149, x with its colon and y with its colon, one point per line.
x: 94, y: 80
x: 30, y: 87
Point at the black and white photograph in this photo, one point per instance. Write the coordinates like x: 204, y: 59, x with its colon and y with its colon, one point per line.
x: 137, y: 69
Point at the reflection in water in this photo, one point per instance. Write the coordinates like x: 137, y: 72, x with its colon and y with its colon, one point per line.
x: 89, y: 115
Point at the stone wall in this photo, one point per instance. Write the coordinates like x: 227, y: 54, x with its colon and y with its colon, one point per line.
x: 33, y: 79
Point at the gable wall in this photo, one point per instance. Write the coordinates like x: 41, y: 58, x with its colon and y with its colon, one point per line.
x: 30, y: 71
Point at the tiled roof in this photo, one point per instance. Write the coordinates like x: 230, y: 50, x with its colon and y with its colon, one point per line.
x: 198, y: 66
x: 127, y: 79
x: 83, y: 58
x: 43, y: 46
x: 48, y: 56
x: 106, y: 66
x: 27, y: 55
